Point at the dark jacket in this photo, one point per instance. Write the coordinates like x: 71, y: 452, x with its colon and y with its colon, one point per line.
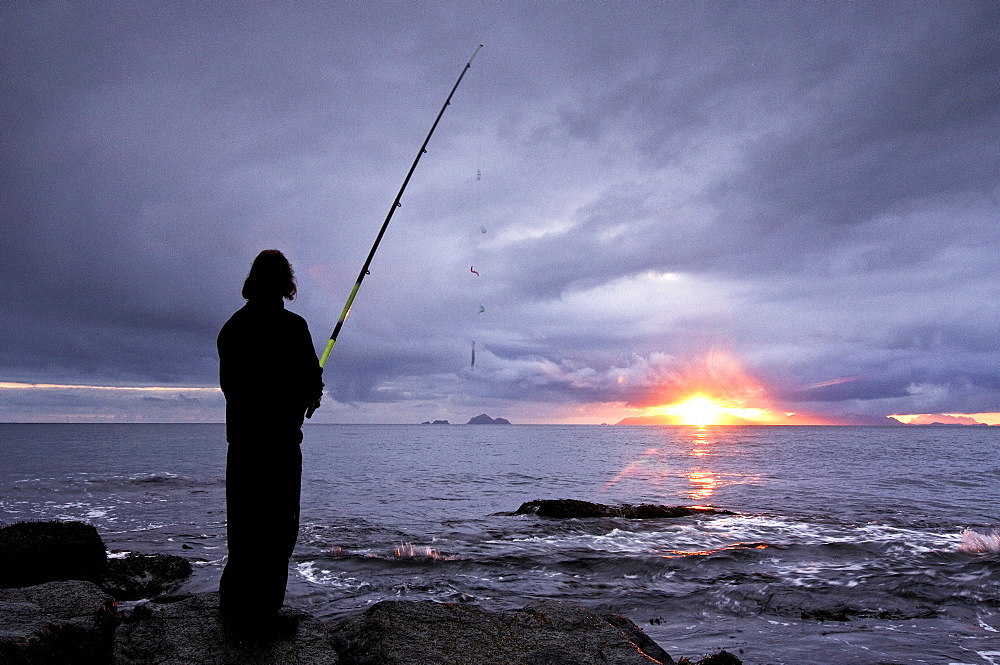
x: 268, y: 371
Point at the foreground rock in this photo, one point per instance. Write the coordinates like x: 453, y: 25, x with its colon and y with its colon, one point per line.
x: 543, y: 633
x: 135, y: 576
x: 188, y: 631
x: 33, y: 553
x: 37, y: 552
x: 66, y: 622
x: 721, y: 658
x: 74, y: 622
x: 572, y: 508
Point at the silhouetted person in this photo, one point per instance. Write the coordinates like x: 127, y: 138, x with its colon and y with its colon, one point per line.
x: 269, y: 373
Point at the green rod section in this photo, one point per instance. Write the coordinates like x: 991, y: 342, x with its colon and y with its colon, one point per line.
x: 392, y: 209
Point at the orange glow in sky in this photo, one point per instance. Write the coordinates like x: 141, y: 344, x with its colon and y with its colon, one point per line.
x: 702, y: 410
x: 698, y: 410
x: 10, y: 385
x: 948, y: 418
x: 716, y: 390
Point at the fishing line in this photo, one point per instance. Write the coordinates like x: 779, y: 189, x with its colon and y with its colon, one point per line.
x: 479, y: 230
x: 392, y: 209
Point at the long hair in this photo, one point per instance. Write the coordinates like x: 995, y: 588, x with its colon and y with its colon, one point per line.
x: 270, y: 276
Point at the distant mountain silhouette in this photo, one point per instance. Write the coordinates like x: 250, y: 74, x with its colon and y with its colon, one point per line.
x: 944, y: 419
x: 483, y: 419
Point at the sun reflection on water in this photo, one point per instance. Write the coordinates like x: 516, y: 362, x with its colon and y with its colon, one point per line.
x: 702, y: 481
x: 703, y: 484
x: 701, y: 442
x: 687, y: 466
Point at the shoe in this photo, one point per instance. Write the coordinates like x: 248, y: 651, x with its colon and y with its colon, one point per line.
x: 284, y: 626
x: 261, y: 627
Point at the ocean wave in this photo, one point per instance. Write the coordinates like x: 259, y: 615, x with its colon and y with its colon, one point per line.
x: 317, y: 574
x: 733, y: 533
x: 402, y: 551
x: 168, y: 479
x: 143, y: 481
x: 973, y: 541
x: 411, y: 551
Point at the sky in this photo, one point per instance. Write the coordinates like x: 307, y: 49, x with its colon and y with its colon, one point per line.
x: 789, y: 208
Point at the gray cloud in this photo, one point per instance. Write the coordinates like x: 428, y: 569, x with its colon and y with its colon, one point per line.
x: 810, y: 188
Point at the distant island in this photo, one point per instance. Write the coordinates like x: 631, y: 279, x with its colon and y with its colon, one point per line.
x: 945, y: 419
x: 483, y: 419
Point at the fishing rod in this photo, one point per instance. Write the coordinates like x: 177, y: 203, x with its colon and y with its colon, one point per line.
x: 392, y: 209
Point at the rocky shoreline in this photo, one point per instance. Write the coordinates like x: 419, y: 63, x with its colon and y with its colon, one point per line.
x: 59, y: 603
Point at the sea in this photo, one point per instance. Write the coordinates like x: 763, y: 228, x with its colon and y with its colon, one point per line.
x: 840, y: 545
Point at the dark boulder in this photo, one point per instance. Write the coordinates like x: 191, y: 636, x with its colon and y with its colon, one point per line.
x: 721, y: 658
x: 37, y: 552
x: 542, y: 633
x: 137, y: 576
x: 644, y: 642
x: 65, y: 622
x: 572, y: 508
x: 189, y: 631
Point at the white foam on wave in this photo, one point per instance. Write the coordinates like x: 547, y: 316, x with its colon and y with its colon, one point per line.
x: 821, y: 574
x: 329, y: 578
x: 990, y: 657
x: 973, y: 541
x: 741, y: 531
x: 671, y: 540
x: 410, y: 551
x: 616, y: 541
x: 778, y: 531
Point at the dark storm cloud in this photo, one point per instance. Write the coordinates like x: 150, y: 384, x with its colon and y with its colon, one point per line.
x: 812, y: 187
x: 880, y: 124
x: 832, y: 125
x: 147, y: 143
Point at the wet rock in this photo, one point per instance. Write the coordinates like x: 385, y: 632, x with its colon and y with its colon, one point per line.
x: 65, y: 622
x: 542, y: 633
x: 824, y: 614
x: 721, y: 658
x: 137, y: 576
x: 189, y: 631
x: 640, y: 639
x: 835, y: 604
x: 572, y: 508
x: 37, y: 552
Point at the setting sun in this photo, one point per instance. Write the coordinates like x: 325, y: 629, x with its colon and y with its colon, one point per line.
x: 698, y: 410
x: 715, y: 390
x: 701, y: 410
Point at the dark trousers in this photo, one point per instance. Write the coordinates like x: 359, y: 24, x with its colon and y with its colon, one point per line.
x: 262, y: 523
